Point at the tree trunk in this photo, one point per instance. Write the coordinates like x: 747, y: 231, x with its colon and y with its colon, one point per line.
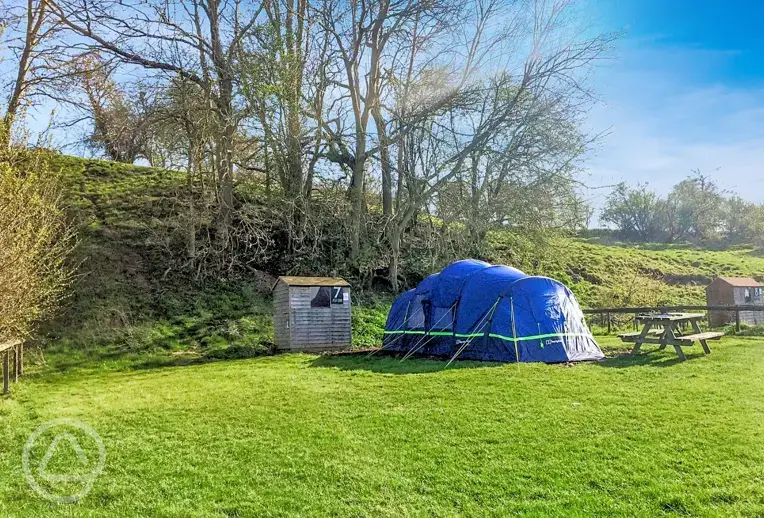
x: 356, y: 199
x: 35, y: 18
x: 225, y: 139
x: 225, y: 165
x: 397, y: 228
x: 191, y: 220
x: 395, y: 254
x: 384, y: 158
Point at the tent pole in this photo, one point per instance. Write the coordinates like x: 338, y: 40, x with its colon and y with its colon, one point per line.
x: 514, y: 330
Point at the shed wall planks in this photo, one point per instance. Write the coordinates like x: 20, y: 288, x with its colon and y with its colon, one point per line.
x: 298, y: 326
x: 720, y: 292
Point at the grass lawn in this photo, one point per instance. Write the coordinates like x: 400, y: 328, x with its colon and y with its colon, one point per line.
x: 350, y: 436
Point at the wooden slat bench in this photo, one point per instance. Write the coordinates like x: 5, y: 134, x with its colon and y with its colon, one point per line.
x: 15, y: 348
x: 634, y: 334
x: 700, y: 337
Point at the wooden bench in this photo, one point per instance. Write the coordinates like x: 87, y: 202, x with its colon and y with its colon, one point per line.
x: 15, y: 347
x: 700, y: 337
x: 628, y: 337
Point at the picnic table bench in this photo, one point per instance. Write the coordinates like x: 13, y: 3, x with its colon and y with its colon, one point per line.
x: 669, y: 332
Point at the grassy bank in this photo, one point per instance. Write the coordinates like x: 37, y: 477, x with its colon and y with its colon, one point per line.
x: 127, y: 299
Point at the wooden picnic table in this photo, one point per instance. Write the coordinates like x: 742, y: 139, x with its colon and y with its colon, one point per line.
x: 670, y: 334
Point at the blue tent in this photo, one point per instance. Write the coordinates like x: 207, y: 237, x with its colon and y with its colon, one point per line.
x: 477, y: 311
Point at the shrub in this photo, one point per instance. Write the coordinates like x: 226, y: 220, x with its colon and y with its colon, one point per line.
x: 35, y: 240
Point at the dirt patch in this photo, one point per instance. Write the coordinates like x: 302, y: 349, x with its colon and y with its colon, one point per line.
x: 579, y: 274
x: 686, y: 279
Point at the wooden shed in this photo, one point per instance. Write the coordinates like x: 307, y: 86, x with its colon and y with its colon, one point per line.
x: 311, y: 313
x: 735, y: 291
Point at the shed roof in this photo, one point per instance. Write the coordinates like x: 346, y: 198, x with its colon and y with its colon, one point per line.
x: 313, y: 281
x: 741, y: 282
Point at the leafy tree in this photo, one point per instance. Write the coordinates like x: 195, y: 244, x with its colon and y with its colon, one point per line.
x: 637, y: 213
x: 696, y: 209
x: 121, y: 122
x: 743, y: 222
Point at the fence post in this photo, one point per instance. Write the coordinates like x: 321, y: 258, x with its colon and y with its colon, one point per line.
x: 635, y: 321
x: 6, y: 374
x: 608, y: 322
x: 737, y: 319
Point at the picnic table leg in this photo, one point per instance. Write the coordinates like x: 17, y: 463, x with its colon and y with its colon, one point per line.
x: 680, y: 352
x: 669, y: 336
x: 638, y: 341
x: 703, y: 343
x: 664, y: 340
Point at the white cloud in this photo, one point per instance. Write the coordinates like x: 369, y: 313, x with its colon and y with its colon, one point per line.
x: 664, y: 122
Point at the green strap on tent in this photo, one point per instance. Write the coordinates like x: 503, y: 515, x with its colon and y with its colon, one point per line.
x: 495, y: 335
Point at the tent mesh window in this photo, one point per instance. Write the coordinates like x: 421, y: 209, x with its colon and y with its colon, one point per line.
x: 416, y: 314
x: 442, y: 319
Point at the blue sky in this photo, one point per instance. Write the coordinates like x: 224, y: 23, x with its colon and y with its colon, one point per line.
x: 685, y: 92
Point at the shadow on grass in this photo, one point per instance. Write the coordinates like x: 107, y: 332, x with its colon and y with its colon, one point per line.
x: 652, y: 358
x: 43, y: 362
x: 389, y: 364
x: 111, y: 360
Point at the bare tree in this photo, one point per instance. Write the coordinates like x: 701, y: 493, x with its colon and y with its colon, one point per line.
x: 463, y: 120
x: 30, y: 32
x: 361, y: 32
x: 273, y: 68
x: 197, y: 40
x: 120, y: 115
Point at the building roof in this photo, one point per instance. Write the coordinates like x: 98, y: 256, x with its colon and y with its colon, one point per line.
x: 313, y: 281
x: 741, y: 282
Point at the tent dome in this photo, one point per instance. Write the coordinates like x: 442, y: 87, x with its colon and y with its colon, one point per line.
x: 474, y: 310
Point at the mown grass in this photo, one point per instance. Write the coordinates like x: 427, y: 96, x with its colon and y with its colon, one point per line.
x: 137, y: 356
x: 354, y: 436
